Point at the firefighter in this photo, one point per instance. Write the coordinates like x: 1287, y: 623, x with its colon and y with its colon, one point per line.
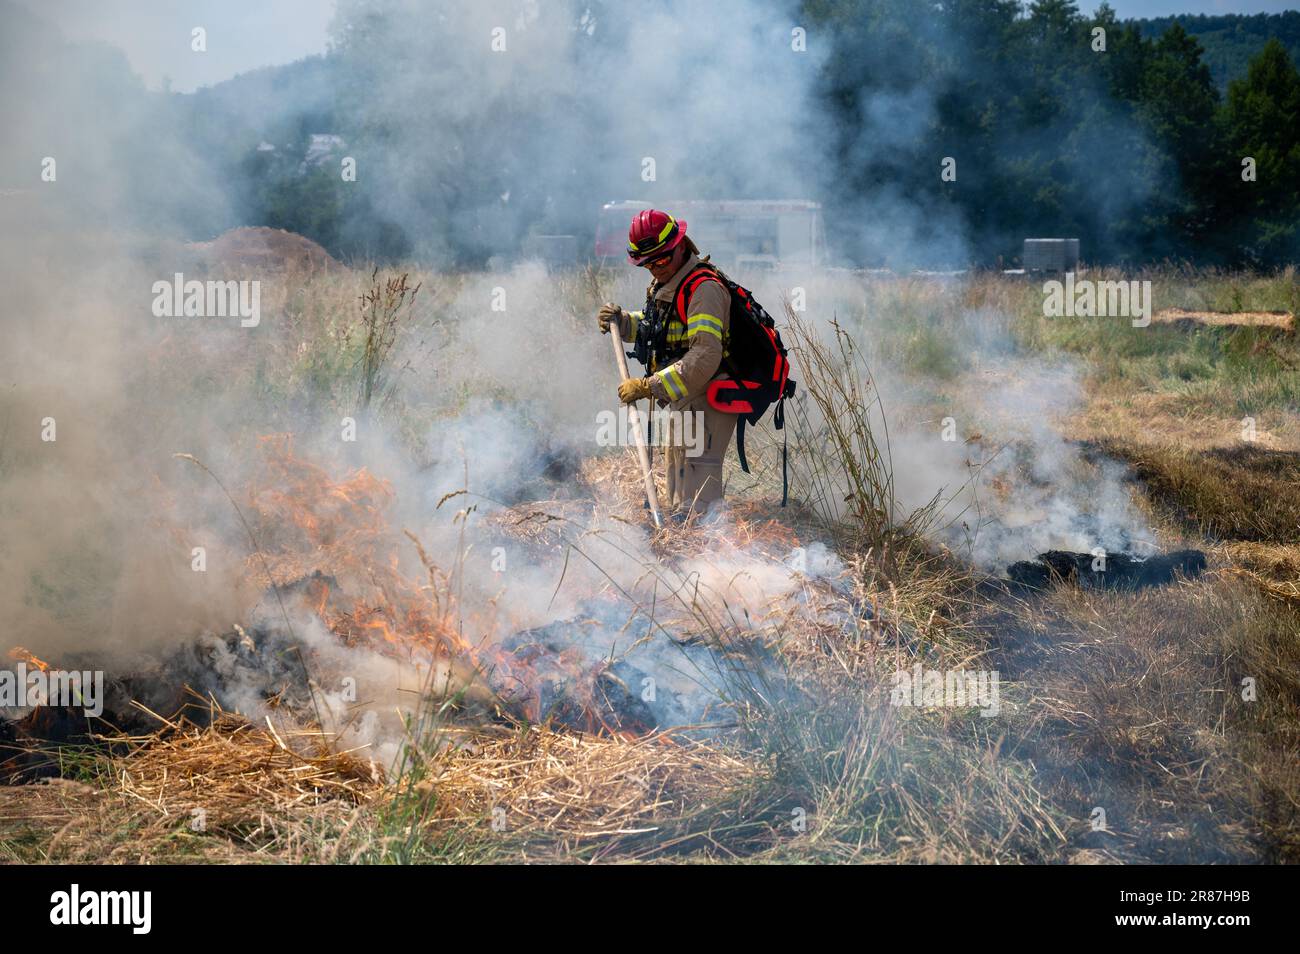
x: 682, y: 358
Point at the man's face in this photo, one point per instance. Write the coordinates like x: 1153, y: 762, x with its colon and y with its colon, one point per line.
x: 666, y: 266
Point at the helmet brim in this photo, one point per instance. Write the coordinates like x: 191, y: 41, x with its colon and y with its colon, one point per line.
x: 668, y: 246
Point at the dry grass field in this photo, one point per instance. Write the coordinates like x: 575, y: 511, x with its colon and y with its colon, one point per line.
x: 1157, y: 725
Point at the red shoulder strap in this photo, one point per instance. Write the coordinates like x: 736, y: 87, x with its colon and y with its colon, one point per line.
x: 687, y: 288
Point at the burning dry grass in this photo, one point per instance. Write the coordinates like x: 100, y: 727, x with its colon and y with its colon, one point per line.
x: 335, y: 533
x: 816, y: 739
x: 1129, y: 702
x: 307, y: 522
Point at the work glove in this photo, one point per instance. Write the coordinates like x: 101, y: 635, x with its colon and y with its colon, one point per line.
x: 634, y: 389
x: 609, y: 312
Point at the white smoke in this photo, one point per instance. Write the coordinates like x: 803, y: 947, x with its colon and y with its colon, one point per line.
x: 510, y: 373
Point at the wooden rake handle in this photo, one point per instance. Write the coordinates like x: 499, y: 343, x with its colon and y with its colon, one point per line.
x: 634, y: 418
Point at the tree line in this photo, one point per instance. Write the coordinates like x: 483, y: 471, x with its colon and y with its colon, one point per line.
x: 1052, y: 123
x: 1071, y: 125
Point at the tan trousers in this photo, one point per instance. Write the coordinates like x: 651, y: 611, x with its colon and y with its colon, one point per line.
x: 695, y: 482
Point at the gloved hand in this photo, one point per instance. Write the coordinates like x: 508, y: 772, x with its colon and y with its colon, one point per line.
x: 634, y: 389
x: 608, y: 312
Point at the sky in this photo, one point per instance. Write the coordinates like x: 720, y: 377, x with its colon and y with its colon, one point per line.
x: 245, y: 34
x: 1130, y: 9
x: 155, y: 35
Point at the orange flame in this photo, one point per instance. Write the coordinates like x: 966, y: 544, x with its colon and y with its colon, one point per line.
x: 331, y: 539
x: 22, y: 654
x: 310, y: 523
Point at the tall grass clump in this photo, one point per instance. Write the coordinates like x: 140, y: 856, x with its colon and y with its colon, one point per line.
x: 386, y: 309
x: 842, y: 463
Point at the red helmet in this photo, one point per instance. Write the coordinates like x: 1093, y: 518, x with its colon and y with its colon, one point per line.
x: 653, y: 233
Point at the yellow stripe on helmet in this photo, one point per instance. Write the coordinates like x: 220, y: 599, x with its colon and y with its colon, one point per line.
x: 663, y: 237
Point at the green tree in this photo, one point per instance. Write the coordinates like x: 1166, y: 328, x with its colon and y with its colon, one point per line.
x: 1177, y: 103
x: 1261, y: 120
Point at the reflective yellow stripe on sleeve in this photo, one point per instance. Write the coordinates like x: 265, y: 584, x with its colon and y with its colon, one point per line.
x: 673, y: 383
x: 706, y: 323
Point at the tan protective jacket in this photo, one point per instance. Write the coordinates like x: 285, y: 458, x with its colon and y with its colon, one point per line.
x: 707, y: 325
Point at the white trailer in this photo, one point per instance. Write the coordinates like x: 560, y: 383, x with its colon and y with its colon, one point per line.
x: 744, y: 233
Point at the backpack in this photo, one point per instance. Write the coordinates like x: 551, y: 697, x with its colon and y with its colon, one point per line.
x: 756, y: 359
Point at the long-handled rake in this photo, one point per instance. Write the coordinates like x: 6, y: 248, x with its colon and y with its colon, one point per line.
x: 634, y: 418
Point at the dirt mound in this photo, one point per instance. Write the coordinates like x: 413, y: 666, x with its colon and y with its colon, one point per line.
x: 262, y: 248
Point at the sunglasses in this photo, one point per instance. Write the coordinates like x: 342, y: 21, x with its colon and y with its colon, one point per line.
x: 657, y: 261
